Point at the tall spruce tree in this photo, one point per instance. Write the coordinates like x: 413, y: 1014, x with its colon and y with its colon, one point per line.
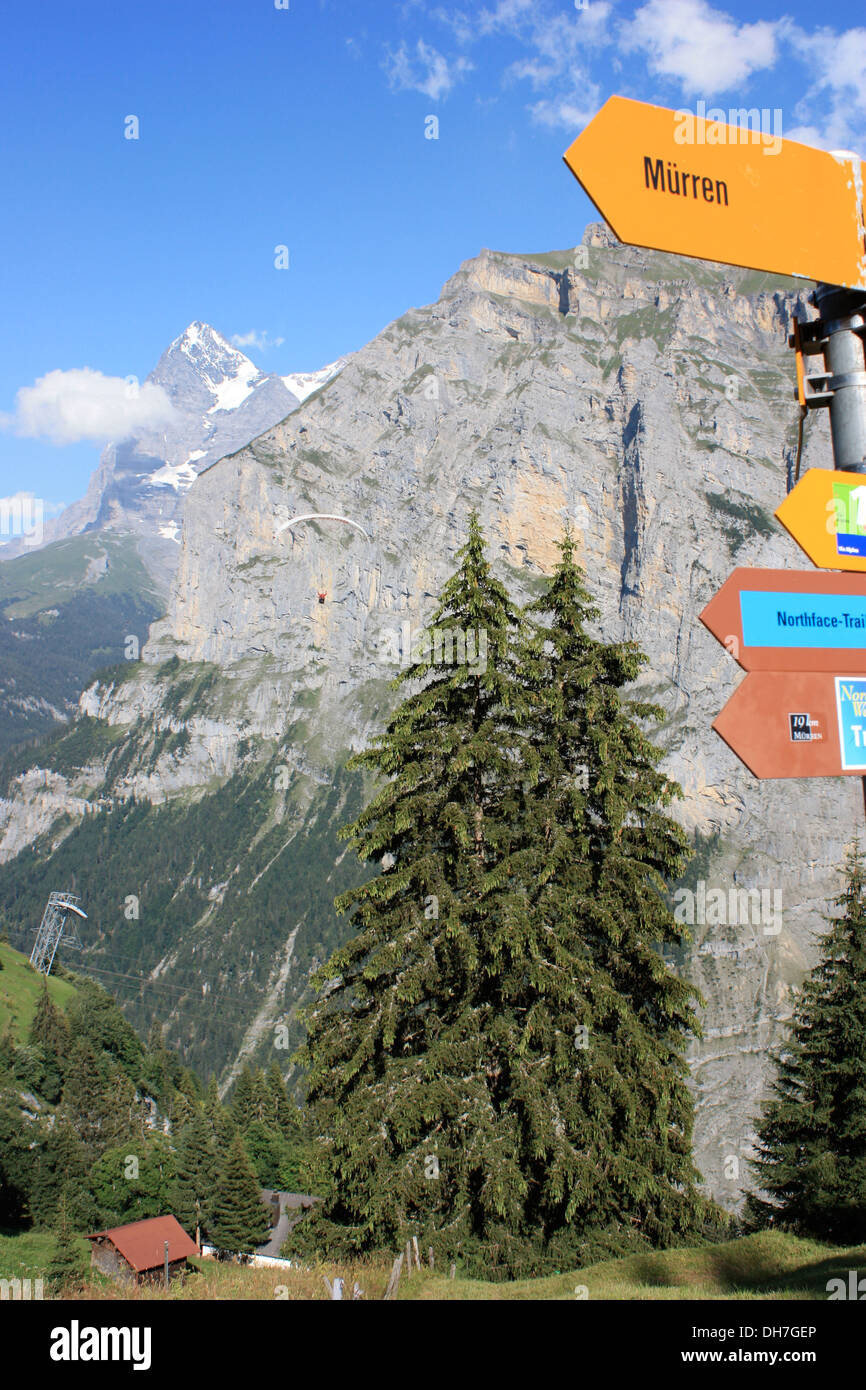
x: 192, y: 1191
x: 812, y: 1135
x: 239, y: 1218
x: 61, y: 1163
x: 600, y: 1023
x: 99, y: 1101
x: 447, y: 1078
x: 65, y: 1270
x: 403, y: 1079
x: 49, y: 1033
x: 49, y: 1027
x: 281, y: 1112
x: 218, y: 1116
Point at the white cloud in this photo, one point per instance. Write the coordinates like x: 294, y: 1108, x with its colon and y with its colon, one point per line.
x: 837, y: 60
x: 564, y: 114
x: 569, y: 57
x: 505, y: 14
x: 259, y: 339
x: 558, y: 46
x: 83, y: 404
x: 832, y: 110
x: 704, y: 49
x: 427, y: 70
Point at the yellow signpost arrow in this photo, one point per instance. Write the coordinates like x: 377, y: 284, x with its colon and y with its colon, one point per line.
x: 826, y: 515
x: 676, y: 182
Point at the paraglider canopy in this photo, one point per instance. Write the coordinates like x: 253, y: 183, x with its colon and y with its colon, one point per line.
x: 322, y: 516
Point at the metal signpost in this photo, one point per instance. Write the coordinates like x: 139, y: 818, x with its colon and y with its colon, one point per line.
x: 680, y: 183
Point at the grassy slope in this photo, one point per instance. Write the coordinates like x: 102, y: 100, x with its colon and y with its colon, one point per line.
x: 19, y: 992
x: 50, y: 577
x: 768, y: 1266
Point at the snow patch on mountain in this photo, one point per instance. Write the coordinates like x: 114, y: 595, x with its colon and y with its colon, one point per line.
x: 303, y: 384
x: 177, y: 476
x: 234, y: 390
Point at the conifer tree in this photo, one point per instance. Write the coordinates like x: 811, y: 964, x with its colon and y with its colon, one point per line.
x: 16, y: 1163
x: 192, y: 1192
x: 495, y: 1061
x: 7, y: 1050
x: 405, y: 1077
x: 99, y: 1101
x: 49, y: 1028
x: 610, y: 1119
x: 82, y: 1098
x: 218, y: 1116
x: 65, y: 1270
x: 62, y: 1162
x: 239, y: 1218
x: 812, y: 1135
x: 281, y: 1112
x: 49, y: 1035
x: 250, y: 1097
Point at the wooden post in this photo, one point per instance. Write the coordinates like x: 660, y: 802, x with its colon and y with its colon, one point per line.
x: 357, y: 1291
x: 165, y: 1253
x: 394, y: 1281
x: 338, y: 1289
x: 430, y: 1259
x: 409, y: 1258
x: 417, y: 1255
x: 453, y: 1271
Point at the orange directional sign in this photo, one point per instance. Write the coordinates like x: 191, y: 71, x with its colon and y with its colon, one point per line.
x: 674, y: 181
x: 797, y: 724
x: 826, y: 515
x: 791, y: 620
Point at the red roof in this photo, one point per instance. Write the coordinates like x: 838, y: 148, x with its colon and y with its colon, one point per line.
x: 142, y: 1243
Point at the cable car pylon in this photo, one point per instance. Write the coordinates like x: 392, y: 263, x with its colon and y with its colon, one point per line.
x: 51, y: 929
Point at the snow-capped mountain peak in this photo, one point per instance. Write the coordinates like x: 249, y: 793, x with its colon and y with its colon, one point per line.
x: 221, y: 401
x: 225, y: 372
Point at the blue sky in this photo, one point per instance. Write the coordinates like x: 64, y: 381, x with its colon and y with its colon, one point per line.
x: 305, y: 127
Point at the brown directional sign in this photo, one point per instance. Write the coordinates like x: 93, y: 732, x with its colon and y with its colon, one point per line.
x: 826, y: 515
x: 797, y: 724
x: 680, y: 182
x: 791, y: 620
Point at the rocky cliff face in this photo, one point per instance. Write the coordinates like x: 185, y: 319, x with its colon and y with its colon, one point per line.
x: 645, y: 398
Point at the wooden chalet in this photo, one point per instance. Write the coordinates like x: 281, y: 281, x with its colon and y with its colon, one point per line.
x: 136, y: 1253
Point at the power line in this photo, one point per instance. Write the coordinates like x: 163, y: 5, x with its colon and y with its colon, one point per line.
x: 145, y: 980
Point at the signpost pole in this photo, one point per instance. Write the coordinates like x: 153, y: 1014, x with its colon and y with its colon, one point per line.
x: 844, y: 316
